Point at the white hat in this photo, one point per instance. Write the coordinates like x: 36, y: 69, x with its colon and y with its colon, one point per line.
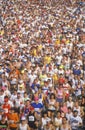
x: 21, y: 81
x: 23, y: 118
x: 27, y: 99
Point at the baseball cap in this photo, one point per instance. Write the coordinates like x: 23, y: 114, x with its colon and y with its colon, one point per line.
x: 23, y: 118
x: 75, y: 111
x: 27, y: 99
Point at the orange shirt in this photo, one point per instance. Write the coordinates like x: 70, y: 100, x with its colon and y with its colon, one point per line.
x: 13, y: 117
x: 17, y: 72
x: 18, y: 22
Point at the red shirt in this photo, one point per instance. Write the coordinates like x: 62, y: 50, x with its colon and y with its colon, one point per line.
x: 61, y: 80
x: 6, y: 108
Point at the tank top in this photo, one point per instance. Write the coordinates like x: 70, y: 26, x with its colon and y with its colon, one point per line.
x: 26, y: 110
x: 31, y: 120
x: 3, y: 126
x: 64, y: 128
x: 66, y: 86
x: 21, y: 127
x: 60, y: 93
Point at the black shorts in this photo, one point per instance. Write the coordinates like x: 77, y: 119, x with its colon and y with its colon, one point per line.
x: 11, y: 128
x: 33, y: 126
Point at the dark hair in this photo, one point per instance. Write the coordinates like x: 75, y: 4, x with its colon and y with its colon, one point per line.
x: 52, y: 94
x: 70, y: 108
x: 64, y: 117
x: 59, y: 112
x: 12, y: 108
x: 6, y: 97
x: 3, y: 115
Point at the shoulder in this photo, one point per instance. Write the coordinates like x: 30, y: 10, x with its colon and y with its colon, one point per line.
x: 33, y: 104
x: 79, y: 118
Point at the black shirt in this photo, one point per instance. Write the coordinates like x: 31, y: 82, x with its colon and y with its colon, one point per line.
x: 31, y: 120
x: 3, y: 126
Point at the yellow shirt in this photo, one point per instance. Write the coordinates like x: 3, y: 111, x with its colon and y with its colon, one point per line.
x: 55, y: 77
x: 2, y: 32
x: 40, y: 47
x: 67, y: 41
x: 43, y: 76
x: 47, y: 59
x: 57, y: 41
x: 34, y: 52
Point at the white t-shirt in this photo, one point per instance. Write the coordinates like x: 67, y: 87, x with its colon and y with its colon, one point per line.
x: 18, y: 102
x: 2, y: 99
x: 21, y: 127
x: 13, y: 97
x: 21, y: 92
x: 59, y: 58
x: 61, y: 71
x: 70, y: 104
x: 58, y: 121
x: 75, y: 121
x: 11, y: 103
x: 77, y: 109
x: 69, y: 115
x: 45, y: 120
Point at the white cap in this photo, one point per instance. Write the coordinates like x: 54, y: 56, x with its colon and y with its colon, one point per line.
x: 23, y: 118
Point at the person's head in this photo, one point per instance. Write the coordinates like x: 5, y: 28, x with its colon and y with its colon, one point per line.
x: 20, y: 87
x: 35, y: 80
x: 6, y: 98
x: 18, y: 95
x: 58, y: 114
x: 49, y: 124
x: 52, y: 96
x: 69, y: 109
x: 83, y: 99
x: 45, y: 114
x: 66, y: 80
x: 27, y: 102
x: 76, y: 103
x: 70, y: 99
x: 75, y: 113
x: 39, y: 90
x: 49, y: 113
x: 25, y: 94
x: 60, y: 86
x: 23, y: 120
x: 46, y: 83
x: 1, y: 92
x: 64, y: 120
x: 12, y: 110
x: 15, y: 92
x: 83, y: 92
x: 3, y: 117
x: 63, y: 104
x: 36, y: 99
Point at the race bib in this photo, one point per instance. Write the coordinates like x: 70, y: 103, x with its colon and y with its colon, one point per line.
x: 6, y: 110
x: 31, y: 118
x: 36, y: 109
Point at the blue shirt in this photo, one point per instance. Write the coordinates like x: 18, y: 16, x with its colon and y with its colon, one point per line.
x: 76, y: 71
x: 37, y: 105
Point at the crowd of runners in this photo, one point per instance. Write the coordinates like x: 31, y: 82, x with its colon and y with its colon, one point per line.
x: 42, y: 65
